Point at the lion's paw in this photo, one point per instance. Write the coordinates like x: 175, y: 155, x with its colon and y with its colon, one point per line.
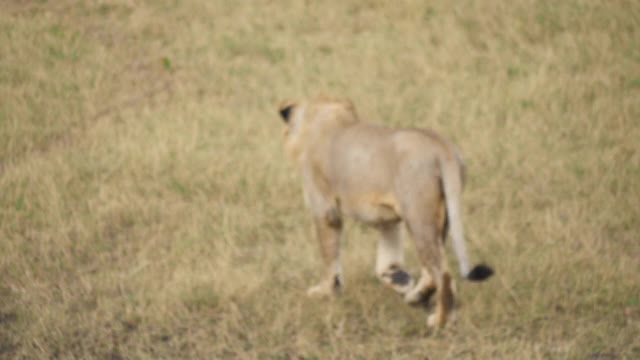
x: 326, y: 288
x: 320, y: 290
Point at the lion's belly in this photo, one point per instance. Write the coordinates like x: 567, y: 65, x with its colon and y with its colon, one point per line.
x: 371, y: 208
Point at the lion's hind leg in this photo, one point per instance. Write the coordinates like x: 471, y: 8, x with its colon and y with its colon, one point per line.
x: 390, y: 259
x: 444, y: 304
x: 435, y: 279
x: 425, y: 223
x: 422, y: 292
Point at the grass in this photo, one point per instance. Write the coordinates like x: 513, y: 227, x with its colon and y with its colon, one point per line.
x: 147, y: 209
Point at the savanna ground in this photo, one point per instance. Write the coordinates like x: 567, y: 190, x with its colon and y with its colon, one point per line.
x: 147, y: 209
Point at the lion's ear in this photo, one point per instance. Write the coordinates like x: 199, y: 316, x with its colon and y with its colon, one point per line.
x: 285, y: 110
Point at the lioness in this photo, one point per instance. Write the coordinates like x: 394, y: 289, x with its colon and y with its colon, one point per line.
x: 381, y: 177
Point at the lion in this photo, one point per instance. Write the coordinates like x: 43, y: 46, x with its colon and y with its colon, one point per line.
x: 381, y: 177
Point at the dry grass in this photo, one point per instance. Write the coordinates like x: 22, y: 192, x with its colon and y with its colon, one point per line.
x: 147, y: 209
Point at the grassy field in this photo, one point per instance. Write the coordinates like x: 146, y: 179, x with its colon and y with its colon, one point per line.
x: 147, y: 209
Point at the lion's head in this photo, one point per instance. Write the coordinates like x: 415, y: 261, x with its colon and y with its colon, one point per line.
x: 310, y: 122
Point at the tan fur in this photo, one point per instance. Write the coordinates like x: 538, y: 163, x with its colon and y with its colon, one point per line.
x: 381, y: 177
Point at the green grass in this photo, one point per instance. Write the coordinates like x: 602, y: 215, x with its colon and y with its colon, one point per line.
x: 147, y: 209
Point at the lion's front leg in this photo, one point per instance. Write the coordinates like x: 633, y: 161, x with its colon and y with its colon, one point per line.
x: 329, y: 233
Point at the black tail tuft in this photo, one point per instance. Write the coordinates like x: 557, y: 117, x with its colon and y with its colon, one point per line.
x: 480, y: 273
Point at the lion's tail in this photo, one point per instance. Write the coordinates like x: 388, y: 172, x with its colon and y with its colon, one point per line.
x: 452, y: 176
